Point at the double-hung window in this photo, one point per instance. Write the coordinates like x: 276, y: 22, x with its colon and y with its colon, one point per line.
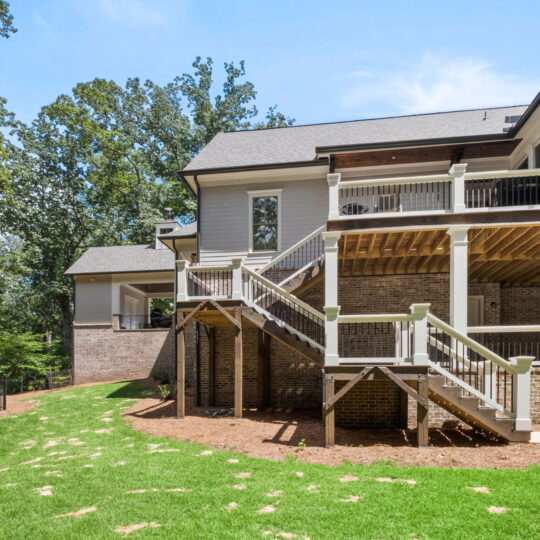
x: 264, y: 220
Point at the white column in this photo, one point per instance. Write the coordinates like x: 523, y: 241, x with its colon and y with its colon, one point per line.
x: 333, y: 195
x: 458, y: 277
x: 420, y: 334
x: 181, y: 281
x: 458, y: 186
x: 115, y: 298
x: 236, y: 279
x: 531, y: 158
x: 331, y: 304
x: 521, y: 392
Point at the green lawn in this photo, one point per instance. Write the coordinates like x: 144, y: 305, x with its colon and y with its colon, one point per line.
x: 44, y: 447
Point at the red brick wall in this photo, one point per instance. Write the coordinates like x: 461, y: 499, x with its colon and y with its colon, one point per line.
x: 294, y: 382
x: 103, y: 354
x: 369, y: 404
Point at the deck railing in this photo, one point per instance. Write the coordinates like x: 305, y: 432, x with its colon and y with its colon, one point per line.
x: 510, y: 340
x: 384, y: 338
x: 237, y: 282
x: 412, y: 194
x: 500, y: 383
x: 296, y: 259
x: 502, y: 188
x: 456, y: 191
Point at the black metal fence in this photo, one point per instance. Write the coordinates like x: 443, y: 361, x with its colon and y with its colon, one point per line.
x: 3, y: 394
x: 486, y: 193
x: 138, y: 322
x: 49, y: 380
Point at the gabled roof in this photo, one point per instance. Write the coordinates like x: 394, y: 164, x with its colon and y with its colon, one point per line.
x: 299, y: 143
x: 188, y: 231
x: 122, y: 259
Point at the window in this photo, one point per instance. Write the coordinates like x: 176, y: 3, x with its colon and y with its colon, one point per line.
x: 537, y: 157
x: 165, y: 231
x: 264, y: 220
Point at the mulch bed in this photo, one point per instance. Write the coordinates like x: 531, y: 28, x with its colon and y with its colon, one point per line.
x: 276, y: 434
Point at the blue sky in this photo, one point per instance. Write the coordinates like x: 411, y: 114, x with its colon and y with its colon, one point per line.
x: 318, y: 61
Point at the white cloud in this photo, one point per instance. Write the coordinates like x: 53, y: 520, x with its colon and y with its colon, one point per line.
x: 439, y: 83
x: 46, y: 28
x: 132, y: 12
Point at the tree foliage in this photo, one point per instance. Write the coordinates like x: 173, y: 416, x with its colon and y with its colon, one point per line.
x: 23, y: 355
x: 6, y: 20
x: 98, y: 167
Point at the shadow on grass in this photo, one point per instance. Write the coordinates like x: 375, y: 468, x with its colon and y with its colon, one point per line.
x: 132, y: 389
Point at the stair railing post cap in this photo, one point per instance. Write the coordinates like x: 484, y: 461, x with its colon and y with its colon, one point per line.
x: 420, y: 309
x: 332, y: 312
x: 522, y: 363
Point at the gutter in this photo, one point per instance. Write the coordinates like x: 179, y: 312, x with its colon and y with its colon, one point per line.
x: 265, y: 166
x: 414, y: 142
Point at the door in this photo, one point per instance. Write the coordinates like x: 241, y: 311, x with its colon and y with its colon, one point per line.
x: 475, y: 310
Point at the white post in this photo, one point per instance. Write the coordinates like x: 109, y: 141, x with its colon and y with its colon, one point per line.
x: 521, y: 392
x: 331, y: 303
x: 181, y: 281
x: 333, y: 195
x: 458, y: 186
x: 531, y: 161
x: 236, y: 279
x: 402, y: 340
x: 115, y: 298
x: 420, y: 333
x: 458, y: 277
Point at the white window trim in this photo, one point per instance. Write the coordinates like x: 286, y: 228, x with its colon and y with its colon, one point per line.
x: 264, y: 193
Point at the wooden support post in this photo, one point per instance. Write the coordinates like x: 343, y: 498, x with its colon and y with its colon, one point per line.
x: 238, y: 361
x: 264, y: 369
x: 422, y: 413
x: 403, y: 409
x: 329, y: 413
x: 211, y: 366
x: 180, y: 371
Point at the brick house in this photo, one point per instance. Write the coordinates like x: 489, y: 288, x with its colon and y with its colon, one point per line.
x: 386, y: 271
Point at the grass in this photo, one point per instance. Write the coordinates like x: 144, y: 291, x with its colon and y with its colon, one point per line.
x: 439, y: 505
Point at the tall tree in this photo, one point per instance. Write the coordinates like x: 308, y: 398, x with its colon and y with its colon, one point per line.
x: 6, y: 20
x: 100, y: 166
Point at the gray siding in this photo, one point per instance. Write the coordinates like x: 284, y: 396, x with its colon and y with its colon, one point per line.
x: 224, y: 232
x: 93, y: 300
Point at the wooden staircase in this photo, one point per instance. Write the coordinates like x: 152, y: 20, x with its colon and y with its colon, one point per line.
x: 470, y: 410
x: 283, y: 335
x: 306, y: 280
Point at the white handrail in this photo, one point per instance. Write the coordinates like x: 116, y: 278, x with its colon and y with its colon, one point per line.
x: 282, y: 292
x: 504, y: 329
x: 209, y: 268
x: 383, y: 317
x: 487, y: 175
x: 475, y: 346
x: 398, y: 180
x: 291, y: 249
x: 468, y: 388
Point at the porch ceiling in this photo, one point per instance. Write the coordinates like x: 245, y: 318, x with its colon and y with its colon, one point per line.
x: 509, y: 254
x: 370, y: 158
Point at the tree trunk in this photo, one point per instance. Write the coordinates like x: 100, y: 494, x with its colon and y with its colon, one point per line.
x: 64, y: 302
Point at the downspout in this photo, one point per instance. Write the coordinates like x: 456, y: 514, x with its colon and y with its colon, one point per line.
x: 197, y: 364
x: 199, y: 220
x: 197, y: 324
x: 175, y: 318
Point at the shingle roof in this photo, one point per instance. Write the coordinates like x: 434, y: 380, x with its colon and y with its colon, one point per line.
x: 186, y: 230
x: 298, y: 143
x: 119, y: 259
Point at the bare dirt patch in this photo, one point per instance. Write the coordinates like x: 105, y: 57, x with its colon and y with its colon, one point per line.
x: 276, y: 434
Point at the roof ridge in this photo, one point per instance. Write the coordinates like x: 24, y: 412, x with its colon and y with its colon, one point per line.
x: 373, y: 119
